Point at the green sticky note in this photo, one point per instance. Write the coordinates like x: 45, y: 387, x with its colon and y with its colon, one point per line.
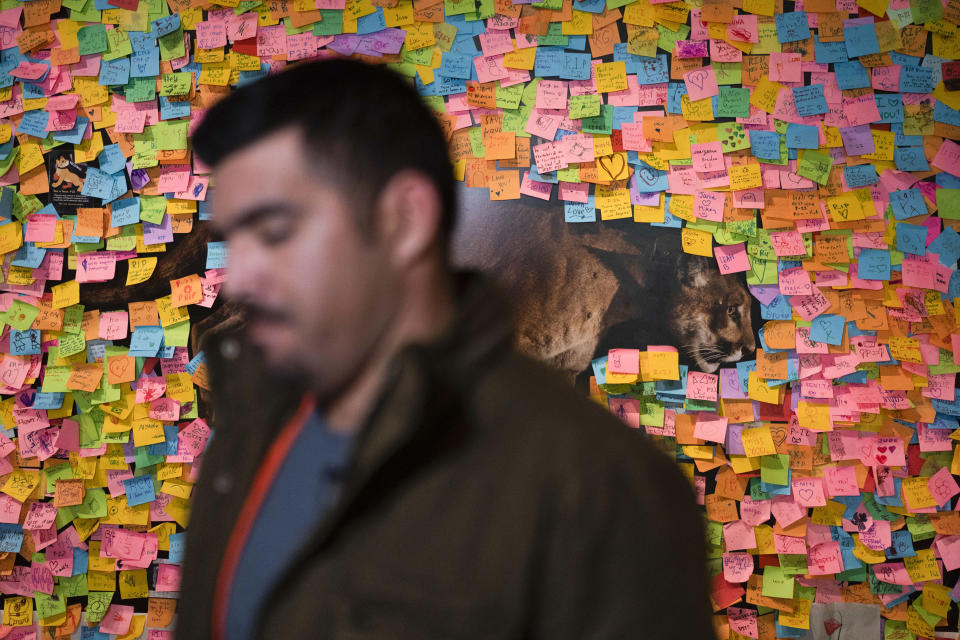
x: 177, y: 335
x: 586, y: 106
x: 727, y: 72
x: 475, y: 135
x: 509, y: 97
x: 925, y: 11
x: 55, y: 379
x: 171, y: 135
x: 331, y: 23
x: 97, y: 604
x: 777, y: 583
x: 21, y: 315
x: 140, y: 90
x: 458, y: 7
x: 793, y: 564
x: 814, y: 165
x: 152, y: 208
x: 175, y: 84
x: 49, y: 605
x: 92, y: 39
x: 118, y: 44
x: 668, y: 38
x: 732, y: 137
x: 601, y: 123
x: 172, y: 45
x: 94, y: 504
x: 775, y: 469
x: 948, y: 203
x: 73, y: 318
x: 72, y: 586
x: 733, y: 102
x: 71, y: 343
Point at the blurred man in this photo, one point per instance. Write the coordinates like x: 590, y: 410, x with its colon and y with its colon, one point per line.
x: 385, y: 465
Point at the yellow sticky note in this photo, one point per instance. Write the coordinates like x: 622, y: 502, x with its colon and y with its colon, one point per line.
x: 697, y: 242
x: 758, y: 442
x: 611, y: 76
x: 140, y: 269
x: 764, y: 97
x: 758, y: 390
x: 662, y: 365
x: 65, y: 294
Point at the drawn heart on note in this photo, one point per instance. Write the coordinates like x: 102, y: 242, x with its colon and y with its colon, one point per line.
x: 806, y: 494
x: 831, y: 625
x: 697, y: 79
x: 779, y: 434
x: 881, y: 458
x: 882, y: 449
x: 614, y: 165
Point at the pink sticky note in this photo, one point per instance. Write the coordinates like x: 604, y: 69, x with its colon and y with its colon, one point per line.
x: 787, y: 243
x: 738, y: 536
x: 117, y: 619
x: 211, y: 35
x: 113, y: 325
x: 702, y: 386
x: 41, y: 228
x: 737, y: 566
x: 785, y: 67
x: 552, y: 94
x: 808, y: 492
x: 707, y: 156
x: 710, y: 427
x: 708, y: 205
x: 701, y: 83
x: 625, y: 361
x: 947, y: 158
x: 942, y: 485
x: 795, y: 282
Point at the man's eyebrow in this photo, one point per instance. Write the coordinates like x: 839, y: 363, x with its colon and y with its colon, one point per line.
x: 252, y: 215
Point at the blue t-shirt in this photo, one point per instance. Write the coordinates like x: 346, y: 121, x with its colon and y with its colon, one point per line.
x: 303, y: 490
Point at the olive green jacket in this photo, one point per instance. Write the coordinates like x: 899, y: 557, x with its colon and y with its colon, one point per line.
x: 485, y: 499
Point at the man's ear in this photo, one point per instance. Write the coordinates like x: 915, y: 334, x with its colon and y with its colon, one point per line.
x: 408, y: 216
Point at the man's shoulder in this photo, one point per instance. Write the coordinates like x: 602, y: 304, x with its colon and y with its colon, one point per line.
x: 526, y: 403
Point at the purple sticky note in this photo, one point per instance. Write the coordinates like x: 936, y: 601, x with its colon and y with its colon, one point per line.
x: 857, y: 140
x: 158, y: 233
x: 764, y: 293
x: 734, y: 443
x: 730, y: 385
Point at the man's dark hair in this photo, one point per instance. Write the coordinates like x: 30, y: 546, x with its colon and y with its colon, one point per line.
x: 361, y: 124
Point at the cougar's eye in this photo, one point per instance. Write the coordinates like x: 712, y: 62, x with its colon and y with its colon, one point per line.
x: 733, y: 311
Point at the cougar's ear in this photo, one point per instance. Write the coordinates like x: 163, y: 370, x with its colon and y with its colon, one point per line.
x: 693, y: 271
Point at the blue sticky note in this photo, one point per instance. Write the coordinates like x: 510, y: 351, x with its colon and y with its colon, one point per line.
x: 829, y: 52
x: 139, y: 490
x: 851, y: 75
x: 456, y: 65
x: 146, y: 63
x: 874, y: 264
x: 652, y: 70
x: 548, y: 61
x: 648, y: 179
x: 910, y: 159
x: 576, y: 66
x: 765, y: 145
x: 177, y: 546
x: 34, y: 123
x: 172, y: 110
x: 146, y: 341
x: 125, y: 211
x: 916, y: 80
x: 861, y: 40
x: 24, y: 343
x: 792, y: 26
x: 166, y: 25
x: 802, y: 136
x: 828, y: 328
x: 11, y: 537
x: 907, y: 204
x: 111, y: 159
x: 216, y: 255
x: 580, y: 211
x: 860, y: 175
x: 946, y: 246
x: 114, y: 72
x: 890, y: 106
x: 778, y: 309
x: 810, y: 100
x: 911, y: 238
x: 97, y: 183
x: 74, y: 135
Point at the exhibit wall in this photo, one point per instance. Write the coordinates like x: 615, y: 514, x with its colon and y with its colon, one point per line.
x: 731, y: 222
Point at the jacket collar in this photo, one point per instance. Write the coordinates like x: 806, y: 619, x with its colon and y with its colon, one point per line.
x: 414, y: 415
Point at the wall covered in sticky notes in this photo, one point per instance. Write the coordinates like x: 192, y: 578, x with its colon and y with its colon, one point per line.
x: 753, y: 205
